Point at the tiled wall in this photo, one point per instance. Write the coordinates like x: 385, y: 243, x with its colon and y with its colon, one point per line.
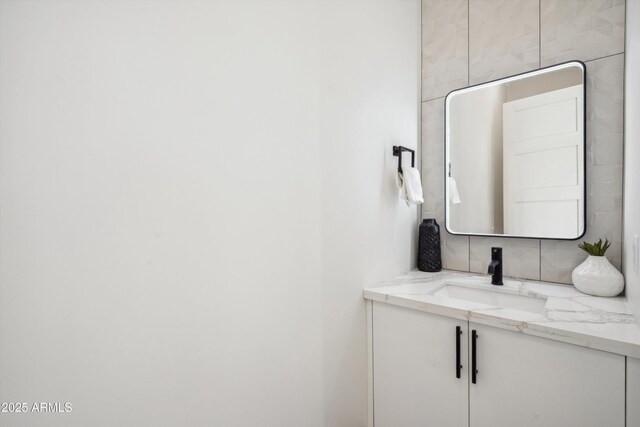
x: 466, y: 42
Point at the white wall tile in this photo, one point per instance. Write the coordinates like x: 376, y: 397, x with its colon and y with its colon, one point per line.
x: 580, y: 29
x: 455, y: 249
x: 504, y: 38
x: 521, y: 257
x: 445, y: 34
x: 433, y: 158
x: 604, y: 172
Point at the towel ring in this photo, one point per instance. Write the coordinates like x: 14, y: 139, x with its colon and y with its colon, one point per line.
x: 397, y: 151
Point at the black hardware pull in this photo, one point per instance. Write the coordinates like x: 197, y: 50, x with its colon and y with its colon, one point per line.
x: 458, y: 365
x: 474, y: 370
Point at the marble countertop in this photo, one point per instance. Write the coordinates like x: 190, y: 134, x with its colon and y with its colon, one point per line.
x: 569, y: 316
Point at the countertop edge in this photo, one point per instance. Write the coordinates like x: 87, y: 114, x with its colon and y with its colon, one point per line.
x: 538, y: 329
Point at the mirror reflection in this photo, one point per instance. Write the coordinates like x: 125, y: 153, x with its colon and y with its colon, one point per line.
x: 515, y: 155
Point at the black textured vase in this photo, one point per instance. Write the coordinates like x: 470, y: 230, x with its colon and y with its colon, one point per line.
x: 429, y: 257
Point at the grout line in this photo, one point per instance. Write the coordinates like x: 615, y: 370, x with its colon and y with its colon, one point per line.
x: 539, y: 33
x: 420, y: 143
x: 468, y: 42
x: 540, y: 259
x: 604, y: 57
x: 433, y: 99
x: 469, y: 254
x: 624, y: 139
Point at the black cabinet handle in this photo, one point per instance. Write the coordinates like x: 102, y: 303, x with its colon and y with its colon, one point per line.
x: 474, y: 370
x: 458, y: 365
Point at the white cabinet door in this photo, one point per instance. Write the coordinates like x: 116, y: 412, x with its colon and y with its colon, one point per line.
x: 528, y: 381
x: 414, y: 369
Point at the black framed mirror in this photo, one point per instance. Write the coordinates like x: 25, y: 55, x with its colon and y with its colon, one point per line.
x: 515, y: 155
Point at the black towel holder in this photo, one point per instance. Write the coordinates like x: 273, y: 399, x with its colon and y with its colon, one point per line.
x: 397, y: 151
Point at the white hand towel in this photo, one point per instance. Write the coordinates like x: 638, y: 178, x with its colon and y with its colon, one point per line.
x: 411, y: 186
x: 454, y: 197
x: 400, y: 185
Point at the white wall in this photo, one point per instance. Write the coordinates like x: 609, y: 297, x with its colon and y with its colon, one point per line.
x: 630, y: 265
x: 192, y: 196
x: 370, y: 71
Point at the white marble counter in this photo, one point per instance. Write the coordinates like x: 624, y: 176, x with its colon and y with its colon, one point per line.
x: 569, y: 316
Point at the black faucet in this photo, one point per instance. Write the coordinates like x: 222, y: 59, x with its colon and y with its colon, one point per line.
x: 495, y: 266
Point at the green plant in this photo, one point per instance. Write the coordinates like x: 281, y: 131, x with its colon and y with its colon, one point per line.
x: 595, y: 249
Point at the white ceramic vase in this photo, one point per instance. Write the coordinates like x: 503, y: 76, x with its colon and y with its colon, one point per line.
x: 596, y: 276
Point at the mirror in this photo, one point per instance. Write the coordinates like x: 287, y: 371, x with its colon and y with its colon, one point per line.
x: 515, y: 156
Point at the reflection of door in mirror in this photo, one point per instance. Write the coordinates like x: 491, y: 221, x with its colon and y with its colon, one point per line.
x: 542, y: 164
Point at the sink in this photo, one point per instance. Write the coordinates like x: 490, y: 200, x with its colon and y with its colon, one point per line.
x: 495, y: 297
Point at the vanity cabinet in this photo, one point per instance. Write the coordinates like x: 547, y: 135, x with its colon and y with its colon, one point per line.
x: 521, y: 380
x: 415, y: 377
